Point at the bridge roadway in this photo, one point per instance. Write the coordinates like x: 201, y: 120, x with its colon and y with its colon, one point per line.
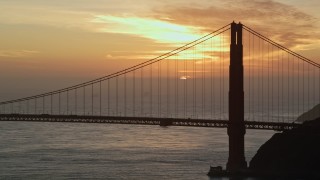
x: 144, y: 121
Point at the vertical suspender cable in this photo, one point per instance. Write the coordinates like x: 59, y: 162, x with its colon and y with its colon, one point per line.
x: 259, y: 79
x: 253, y: 104
x: 159, y: 92
x: 134, y: 92
x: 168, y: 88
x: 67, y: 102
x: 262, y: 80
x: 272, y: 77
x: 151, y: 94
x: 58, y: 103
x: 125, y: 94
x: 282, y: 86
x: 27, y: 107
x: 84, y: 100
x: 108, y: 97
x: 160, y: 85
x: 176, y: 85
x: 288, y: 95
x: 220, y: 83
x: 211, y: 78
x: 249, y: 79
x: 185, y: 88
x: 117, y: 96
x: 303, y: 85
x: 75, y: 102
x: 278, y: 85
x: 43, y: 105
x: 100, y: 97
x: 314, y: 87
x: 268, y: 88
x: 223, y: 79
x: 308, y: 91
x: 141, y: 92
x: 92, y: 99
x: 203, y: 78
x: 51, y: 104
x: 195, y: 81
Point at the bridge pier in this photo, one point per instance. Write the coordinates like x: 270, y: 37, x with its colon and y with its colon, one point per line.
x: 236, y: 126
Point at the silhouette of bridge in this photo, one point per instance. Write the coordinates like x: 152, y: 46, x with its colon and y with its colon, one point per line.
x: 255, y: 84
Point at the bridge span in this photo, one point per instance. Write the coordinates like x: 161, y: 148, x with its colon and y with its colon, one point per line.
x: 211, y: 123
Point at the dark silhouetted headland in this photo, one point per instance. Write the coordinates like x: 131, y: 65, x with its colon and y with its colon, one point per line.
x: 314, y: 113
x: 294, y: 153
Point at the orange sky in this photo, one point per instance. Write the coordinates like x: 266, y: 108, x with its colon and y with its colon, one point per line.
x: 47, y: 45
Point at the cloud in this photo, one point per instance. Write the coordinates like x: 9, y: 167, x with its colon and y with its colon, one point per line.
x: 174, y: 22
x: 43, y: 15
x: 190, y: 71
x: 129, y: 55
x: 283, y: 23
x: 158, y: 30
x: 17, y: 53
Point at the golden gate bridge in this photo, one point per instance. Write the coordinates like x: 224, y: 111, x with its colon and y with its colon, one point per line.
x: 233, y: 78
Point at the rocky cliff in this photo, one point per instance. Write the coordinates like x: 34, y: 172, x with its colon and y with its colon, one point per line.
x: 295, y: 152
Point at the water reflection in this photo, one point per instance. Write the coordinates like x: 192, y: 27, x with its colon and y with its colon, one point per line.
x: 68, y: 150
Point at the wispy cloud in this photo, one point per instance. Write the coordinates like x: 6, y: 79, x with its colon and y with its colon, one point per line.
x: 190, y: 71
x: 158, y: 30
x: 17, y: 53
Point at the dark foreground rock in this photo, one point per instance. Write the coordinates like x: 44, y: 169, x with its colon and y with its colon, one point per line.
x: 295, y: 152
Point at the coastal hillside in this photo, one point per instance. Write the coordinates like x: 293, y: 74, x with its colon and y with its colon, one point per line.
x: 312, y: 114
x: 292, y: 152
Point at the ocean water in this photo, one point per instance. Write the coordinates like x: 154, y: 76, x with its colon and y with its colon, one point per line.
x: 42, y: 150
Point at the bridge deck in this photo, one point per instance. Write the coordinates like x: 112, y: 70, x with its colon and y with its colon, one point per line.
x: 145, y: 121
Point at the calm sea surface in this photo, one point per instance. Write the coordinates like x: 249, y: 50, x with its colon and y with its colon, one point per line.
x: 41, y: 150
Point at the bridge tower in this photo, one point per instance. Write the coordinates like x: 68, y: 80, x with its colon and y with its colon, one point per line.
x: 236, y: 127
